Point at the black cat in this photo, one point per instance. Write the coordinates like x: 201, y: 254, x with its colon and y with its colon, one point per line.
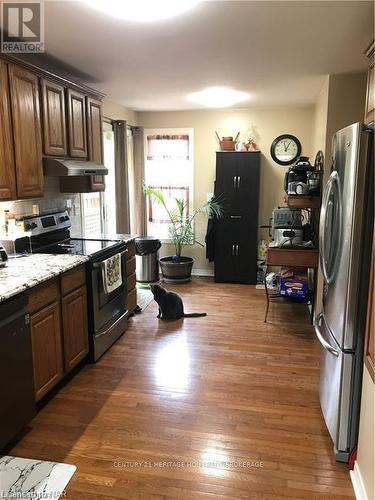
x: 170, y: 304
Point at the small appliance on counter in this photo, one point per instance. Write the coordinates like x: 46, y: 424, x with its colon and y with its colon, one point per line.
x: 302, y: 178
x: 286, y: 227
x: 3, y: 256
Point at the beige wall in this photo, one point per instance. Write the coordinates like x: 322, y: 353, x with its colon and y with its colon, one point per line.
x: 116, y: 111
x: 268, y: 123
x: 366, y: 441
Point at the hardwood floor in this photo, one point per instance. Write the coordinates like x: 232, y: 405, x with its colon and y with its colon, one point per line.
x: 229, y: 401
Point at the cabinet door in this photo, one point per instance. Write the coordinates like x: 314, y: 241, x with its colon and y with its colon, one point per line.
x: 47, y: 349
x: 95, y: 139
x: 247, y: 185
x: 226, y: 179
x: 75, y: 327
x: 7, y: 166
x: 77, y: 131
x: 24, y: 92
x: 236, y: 249
x: 237, y: 181
x: 54, y: 126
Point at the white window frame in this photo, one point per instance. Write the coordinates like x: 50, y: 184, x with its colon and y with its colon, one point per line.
x: 178, y: 131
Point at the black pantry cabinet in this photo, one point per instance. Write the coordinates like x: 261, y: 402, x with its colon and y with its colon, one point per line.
x: 236, y: 234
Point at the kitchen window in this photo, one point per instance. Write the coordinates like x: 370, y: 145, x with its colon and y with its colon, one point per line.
x: 169, y: 167
x: 99, y: 209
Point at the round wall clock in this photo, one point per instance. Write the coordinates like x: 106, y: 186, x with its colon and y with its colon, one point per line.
x: 285, y: 149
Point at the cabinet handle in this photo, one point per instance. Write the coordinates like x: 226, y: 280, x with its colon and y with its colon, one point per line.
x: 237, y: 250
x: 236, y: 216
x: 238, y: 182
x: 235, y: 182
x: 233, y: 247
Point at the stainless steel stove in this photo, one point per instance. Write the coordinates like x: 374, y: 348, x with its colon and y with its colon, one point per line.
x: 107, y: 312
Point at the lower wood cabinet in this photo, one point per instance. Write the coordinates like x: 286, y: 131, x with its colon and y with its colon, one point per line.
x: 58, y: 321
x: 47, y: 348
x: 74, y: 327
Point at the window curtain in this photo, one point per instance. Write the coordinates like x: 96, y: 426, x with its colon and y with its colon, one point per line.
x: 121, y: 172
x: 156, y: 212
x: 165, y: 147
x: 137, y: 199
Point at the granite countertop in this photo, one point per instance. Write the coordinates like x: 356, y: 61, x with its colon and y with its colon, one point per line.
x: 25, y: 272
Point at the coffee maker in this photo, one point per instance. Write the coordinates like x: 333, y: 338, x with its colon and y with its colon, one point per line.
x: 302, y: 178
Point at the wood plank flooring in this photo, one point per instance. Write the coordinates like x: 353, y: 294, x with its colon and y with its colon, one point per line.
x: 218, y: 407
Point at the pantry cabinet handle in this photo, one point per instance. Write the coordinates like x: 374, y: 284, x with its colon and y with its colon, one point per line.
x: 237, y: 250
x: 233, y: 246
x: 235, y: 182
x: 238, y: 182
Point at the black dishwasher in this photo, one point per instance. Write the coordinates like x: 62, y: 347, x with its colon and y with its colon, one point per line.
x: 17, y: 401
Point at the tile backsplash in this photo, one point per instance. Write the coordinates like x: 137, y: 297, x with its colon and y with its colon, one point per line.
x: 52, y: 200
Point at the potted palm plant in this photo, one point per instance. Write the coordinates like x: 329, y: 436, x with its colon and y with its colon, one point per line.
x: 177, y: 268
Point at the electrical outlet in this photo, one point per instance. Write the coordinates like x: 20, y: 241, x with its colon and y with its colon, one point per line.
x: 69, y: 203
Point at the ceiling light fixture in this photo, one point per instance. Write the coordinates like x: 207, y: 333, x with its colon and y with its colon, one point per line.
x: 142, y: 10
x: 218, y: 97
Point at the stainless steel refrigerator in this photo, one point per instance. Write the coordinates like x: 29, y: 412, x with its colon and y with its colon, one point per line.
x: 346, y: 227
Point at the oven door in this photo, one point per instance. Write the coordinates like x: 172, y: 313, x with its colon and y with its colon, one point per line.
x: 109, y: 307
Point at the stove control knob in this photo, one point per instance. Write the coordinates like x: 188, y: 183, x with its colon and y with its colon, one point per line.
x: 64, y: 218
x: 29, y: 226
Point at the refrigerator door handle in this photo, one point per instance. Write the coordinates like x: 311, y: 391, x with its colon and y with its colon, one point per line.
x: 333, y: 179
x: 327, y: 346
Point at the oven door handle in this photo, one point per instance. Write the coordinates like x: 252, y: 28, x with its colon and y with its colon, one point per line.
x: 101, y: 264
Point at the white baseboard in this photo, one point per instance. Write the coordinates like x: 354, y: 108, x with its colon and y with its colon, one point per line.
x: 203, y: 272
x: 357, y: 481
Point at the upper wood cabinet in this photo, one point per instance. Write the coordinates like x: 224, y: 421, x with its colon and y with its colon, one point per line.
x: 95, y: 140
x: 7, y: 165
x: 370, y: 95
x: 54, y: 124
x: 77, y: 130
x: 24, y: 93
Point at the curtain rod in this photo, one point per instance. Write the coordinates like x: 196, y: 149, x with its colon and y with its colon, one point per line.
x: 111, y: 121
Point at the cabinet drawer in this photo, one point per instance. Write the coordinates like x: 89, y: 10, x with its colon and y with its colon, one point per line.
x: 131, y: 249
x: 73, y: 279
x: 43, y: 295
x: 131, y: 282
x: 132, y: 299
x: 130, y: 266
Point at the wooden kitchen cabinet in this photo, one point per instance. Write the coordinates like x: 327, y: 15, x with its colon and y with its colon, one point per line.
x: 54, y: 122
x: 24, y: 94
x: 370, y: 95
x: 59, y: 334
x: 7, y: 165
x: 77, y: 130
x: 74, y: 317
x: 95, y: 140
x: 45, y: 326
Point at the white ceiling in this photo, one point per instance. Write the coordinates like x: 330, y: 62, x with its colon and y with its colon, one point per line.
x: 278, y: 51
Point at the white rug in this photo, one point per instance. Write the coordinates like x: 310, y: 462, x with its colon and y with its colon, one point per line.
x: 144, y: 298
x: 33, y: 479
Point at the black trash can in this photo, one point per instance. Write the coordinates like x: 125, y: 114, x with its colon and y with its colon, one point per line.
x: 147, y: 259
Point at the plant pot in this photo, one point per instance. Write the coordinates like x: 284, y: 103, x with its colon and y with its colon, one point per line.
x: 176, y: 271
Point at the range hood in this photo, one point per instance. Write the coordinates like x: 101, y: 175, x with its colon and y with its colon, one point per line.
x: 63, y: 167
